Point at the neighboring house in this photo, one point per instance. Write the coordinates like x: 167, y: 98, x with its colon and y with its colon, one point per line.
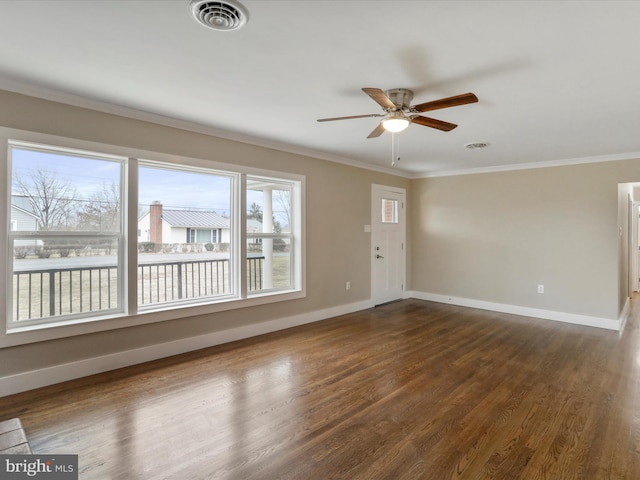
x: 160, y: 225
x: 22, y: 217
x: 254, y: 226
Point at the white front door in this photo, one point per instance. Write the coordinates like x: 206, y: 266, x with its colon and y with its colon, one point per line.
x: 388, y: 243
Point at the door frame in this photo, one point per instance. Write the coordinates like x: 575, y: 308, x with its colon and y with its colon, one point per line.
x: 634, y: 253
x: 376, y: 191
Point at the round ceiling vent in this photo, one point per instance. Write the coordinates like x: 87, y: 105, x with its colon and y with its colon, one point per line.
x: 477, y: 145
x: 225, y: 16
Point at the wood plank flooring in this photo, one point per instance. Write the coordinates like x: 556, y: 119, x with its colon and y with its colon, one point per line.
x: 410, y: 390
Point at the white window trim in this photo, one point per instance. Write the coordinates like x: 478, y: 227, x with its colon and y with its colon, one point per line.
x: 72, y: 327
x: 120, y: 238
x: 234, y: 259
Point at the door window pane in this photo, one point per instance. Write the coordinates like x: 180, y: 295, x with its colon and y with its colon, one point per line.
x: 389, y: 210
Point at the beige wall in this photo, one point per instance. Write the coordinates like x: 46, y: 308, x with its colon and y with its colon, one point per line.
x: 494, y: 237
x: 337, y: 208
x: 491, y: 237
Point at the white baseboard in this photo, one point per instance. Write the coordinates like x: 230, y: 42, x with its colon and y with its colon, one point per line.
x: 626, y: 310
x: 599, y: 322
x: 22, y: 382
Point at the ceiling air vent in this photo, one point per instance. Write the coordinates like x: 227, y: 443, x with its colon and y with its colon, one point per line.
x: 225, y: 16
x: 477, y: 145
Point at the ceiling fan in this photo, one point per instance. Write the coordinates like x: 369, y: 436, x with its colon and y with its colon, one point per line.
x: 399, y: 113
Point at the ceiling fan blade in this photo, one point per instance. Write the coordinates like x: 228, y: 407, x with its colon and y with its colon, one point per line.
x: 433, y: 123
x: 446, y: 102
x: 379, y: 130
x: 380, y: 97
x: 348, y: 118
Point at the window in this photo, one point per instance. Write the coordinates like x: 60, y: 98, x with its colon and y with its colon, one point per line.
x: 180, y: 207
x: 67, y: 241
x: 270, y: 242
x: 70, y: 261
x: 389, y: 210
x: 203, y: 236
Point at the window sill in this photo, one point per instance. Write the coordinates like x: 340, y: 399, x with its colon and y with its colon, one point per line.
x: 21, y: 335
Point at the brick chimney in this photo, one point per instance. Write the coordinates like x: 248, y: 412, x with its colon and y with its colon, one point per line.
x: 155, y: 222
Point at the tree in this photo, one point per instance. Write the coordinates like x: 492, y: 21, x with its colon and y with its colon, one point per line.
x: 283, y: 198
x: 255, y: 212
x: 101, y: 211
x: 52, y: 200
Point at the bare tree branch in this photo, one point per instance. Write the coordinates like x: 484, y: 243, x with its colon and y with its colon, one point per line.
x: 101, y: 212
x: 52, y: 200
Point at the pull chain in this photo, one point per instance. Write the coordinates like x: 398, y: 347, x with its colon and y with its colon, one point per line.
x: 395, y: 149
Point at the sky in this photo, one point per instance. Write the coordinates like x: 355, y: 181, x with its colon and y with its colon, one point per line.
x: 178, y: 189
x: 86, y: 175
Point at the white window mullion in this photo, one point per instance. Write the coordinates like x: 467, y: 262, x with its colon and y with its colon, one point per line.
x: 130, y: 220
x: 241, y: 229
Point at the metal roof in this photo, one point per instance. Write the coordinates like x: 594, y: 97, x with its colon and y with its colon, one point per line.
x: 192, y: 218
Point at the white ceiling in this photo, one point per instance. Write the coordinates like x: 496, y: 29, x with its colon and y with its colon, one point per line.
x: 558, y: 81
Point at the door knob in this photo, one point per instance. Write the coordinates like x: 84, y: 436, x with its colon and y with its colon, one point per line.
x: 379, y: 256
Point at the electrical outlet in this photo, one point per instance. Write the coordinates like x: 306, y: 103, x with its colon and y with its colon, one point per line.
x: 540, y: 288
x: 348, y: 286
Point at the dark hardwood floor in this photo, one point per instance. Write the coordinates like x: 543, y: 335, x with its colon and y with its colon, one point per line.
x: 410, y: 390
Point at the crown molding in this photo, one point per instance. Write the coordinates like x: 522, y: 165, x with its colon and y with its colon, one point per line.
x: 25, y: 88
x: 45, y: 93
x: 528, y: 166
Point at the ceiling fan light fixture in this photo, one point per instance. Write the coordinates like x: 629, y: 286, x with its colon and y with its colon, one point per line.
x: 396, y: 122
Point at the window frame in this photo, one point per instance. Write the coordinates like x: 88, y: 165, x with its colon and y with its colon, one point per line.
x: 291, y: 235
x: 394, y: 219
x: 235, y: 293
x: 17, y: 235
x: 131, y: 316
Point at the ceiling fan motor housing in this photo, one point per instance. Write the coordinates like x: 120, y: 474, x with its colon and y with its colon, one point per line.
x: 401, y: 97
